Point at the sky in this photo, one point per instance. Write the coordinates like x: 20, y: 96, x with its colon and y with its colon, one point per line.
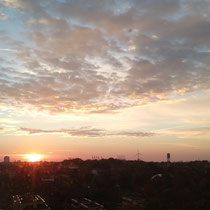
x: 108, y: 78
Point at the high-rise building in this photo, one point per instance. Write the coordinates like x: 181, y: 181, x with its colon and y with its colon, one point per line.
x: 6, y: 159
x: 168, y: 157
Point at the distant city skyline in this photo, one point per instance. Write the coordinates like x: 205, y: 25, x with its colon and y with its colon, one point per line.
x: 105, y: 78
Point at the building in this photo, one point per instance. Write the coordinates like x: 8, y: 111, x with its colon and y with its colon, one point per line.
x: 29, y: 202
x: 168, y: 157
x: 133, y: 201
x: 6, y: 159
x: 86, y: 204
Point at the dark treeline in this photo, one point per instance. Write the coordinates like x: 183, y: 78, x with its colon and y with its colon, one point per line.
x: 145, y: 185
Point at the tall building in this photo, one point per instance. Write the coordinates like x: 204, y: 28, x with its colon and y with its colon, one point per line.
x: 6, y: 159
x: 168, y: 157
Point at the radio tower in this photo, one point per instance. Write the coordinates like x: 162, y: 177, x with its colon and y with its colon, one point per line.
x: 138, y: 154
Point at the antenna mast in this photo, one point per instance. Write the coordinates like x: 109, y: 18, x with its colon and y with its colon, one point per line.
x: 138, y: 154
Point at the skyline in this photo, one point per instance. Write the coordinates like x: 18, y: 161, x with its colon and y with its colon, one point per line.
x: 105, y: 78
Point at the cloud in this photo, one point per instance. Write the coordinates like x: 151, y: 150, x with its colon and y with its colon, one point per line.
x: 86, y: 132
x: 134, y: 134
x: 9, y: 50
x: 3, y: 16
x: 101, y: 56
x: 197, y: 132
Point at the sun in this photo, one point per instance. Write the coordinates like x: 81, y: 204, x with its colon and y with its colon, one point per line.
x: 33, y: 157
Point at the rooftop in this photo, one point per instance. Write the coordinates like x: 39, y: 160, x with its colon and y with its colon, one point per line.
x: 29, y: 200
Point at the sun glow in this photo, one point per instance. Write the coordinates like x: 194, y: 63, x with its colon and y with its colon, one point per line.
x: 33, y: 157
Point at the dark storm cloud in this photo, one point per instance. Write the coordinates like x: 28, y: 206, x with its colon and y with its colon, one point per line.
x: 99, y: 56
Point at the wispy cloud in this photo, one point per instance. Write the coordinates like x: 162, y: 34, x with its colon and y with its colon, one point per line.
x: 189, y: 132
x: 9, y: 50
x: 87, y: 132
x: 3, y: 16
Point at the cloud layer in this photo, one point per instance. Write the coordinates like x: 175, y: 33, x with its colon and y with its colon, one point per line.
x: 86, y: 132
x: 100, y: 56
x: 199, y: 132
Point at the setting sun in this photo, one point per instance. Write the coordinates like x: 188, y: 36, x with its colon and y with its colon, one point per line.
x: 33, y: 157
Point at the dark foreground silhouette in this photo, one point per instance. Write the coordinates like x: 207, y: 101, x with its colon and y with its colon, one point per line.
x: 109, y: 184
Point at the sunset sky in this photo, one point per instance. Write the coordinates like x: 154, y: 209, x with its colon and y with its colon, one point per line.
x: 83, y: 78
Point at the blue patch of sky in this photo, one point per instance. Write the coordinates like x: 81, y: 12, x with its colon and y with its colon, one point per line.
x: 15, y: 26
x: 121, y: 7
x: 9, y: 59
x: 6, y: 55
x: 78, y: 23
x: 14, y: 38
x: 204, y: 49
x: 61, y: 1
x: 178, y: 15
x: 71, y: 21
x: 11, y: 62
